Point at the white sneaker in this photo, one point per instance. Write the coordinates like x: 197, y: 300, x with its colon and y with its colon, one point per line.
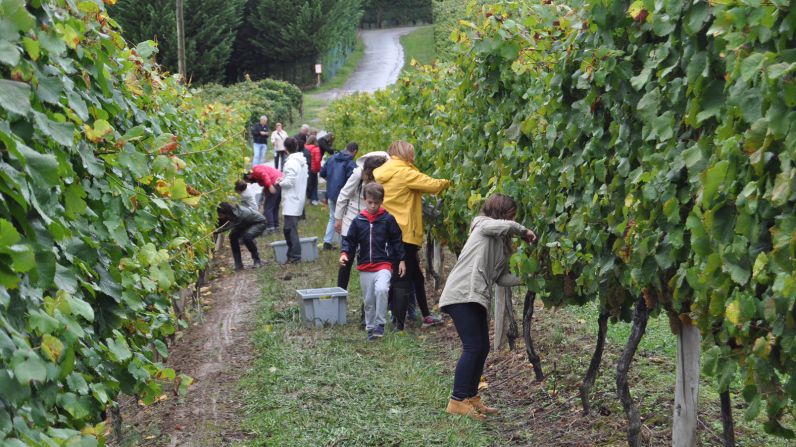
x: 316, y: 203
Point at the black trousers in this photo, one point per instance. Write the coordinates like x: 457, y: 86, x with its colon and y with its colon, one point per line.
x: 415, y: 275
x: 312, y: 186
x: 248, y: 235
x: 344, y: 274
x: 279, y: 159
x: 292, y: 238
x: 271, y: 206
x: 472, y: 326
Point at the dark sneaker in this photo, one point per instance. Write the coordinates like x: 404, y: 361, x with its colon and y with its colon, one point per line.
x: 238, y: 268
x: 431, y: 320
x: 378, y: 331
x: 371, y: 336
x: 258, y: 264
x: 328, y: 246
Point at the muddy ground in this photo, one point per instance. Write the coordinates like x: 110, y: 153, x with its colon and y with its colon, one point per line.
x: 215, y: 350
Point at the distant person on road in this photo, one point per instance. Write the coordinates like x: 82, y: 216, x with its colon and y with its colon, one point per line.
x: 404, y: 186
x: 315, y: 168
x: 336, y: 171
x: 260, y: 135
x: 294, y: 196
x: 278, y: 137
x: 268, y: 177
x: 483, y: 262
x: 244, y: 224
x: 377, y: 238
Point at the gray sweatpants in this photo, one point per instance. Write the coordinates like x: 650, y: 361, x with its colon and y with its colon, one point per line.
x: 375, y: 287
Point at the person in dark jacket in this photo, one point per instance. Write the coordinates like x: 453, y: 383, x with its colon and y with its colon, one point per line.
x: 260, y: 134
x: 336, y: 171
x: 325, y: 143
x: 377, y: 237
x: 302, y: 136
x: 242, y: 223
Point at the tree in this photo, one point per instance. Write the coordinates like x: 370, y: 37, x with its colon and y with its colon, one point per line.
x: 210, y: 30
x: 283, y: 38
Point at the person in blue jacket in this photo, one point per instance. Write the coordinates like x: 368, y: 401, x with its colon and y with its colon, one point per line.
x: 377, y: 237
x: 336, y: 171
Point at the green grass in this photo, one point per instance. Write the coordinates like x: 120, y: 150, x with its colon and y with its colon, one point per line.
x: 329, y: 386
x: 419, y: 45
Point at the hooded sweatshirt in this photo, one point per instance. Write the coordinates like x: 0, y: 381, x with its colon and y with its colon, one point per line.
x: 294, y: 185
x: 336, y: 172
x: 404, y: 186
x: 483, y: 262
x: 377, y: 237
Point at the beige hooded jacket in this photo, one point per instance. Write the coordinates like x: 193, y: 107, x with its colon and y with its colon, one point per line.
x: 484, y: 262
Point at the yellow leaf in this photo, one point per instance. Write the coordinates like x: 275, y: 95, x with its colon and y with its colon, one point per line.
x: 51, y: 347
x: 733, y: 312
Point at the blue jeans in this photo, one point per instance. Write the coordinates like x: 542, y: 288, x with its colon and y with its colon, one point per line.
x: 260, y: 149
x: 329, y: 236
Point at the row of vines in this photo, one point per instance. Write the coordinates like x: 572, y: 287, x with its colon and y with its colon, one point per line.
x: 109, y: 174
x: 651, y: 144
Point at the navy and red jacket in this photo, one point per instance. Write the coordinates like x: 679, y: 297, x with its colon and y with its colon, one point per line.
x: 378, y: 239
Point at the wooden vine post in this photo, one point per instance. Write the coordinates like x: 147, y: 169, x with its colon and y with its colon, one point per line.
x: 180, y: 40
x: 502, y: 317
x: 686, y: 390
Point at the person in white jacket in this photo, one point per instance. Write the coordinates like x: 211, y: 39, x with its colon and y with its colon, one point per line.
x: 294, y: 195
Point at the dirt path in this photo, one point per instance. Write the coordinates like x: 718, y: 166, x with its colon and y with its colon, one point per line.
x: 216, y: 352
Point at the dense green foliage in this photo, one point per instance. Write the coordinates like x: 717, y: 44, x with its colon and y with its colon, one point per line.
x: 384, y: 13
x: 108, y: 178
x: 210, y: 30
x: 650, y: 144
x: 285, y: 38
x: 228, y: 40
x: 446, y: 15
x: 280, y: 101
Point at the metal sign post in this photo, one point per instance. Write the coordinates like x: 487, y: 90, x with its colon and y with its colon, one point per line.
x: 318, y: 71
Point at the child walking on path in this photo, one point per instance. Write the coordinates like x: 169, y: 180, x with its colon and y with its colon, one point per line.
x: 294, y: 194
x: 377, y: 236
x: 484, y: 262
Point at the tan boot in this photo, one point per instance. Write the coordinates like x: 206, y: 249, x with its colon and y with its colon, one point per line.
x: 464, y: 407
x: 480, y: 406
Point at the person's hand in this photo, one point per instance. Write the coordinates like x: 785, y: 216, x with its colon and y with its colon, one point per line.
x: 402, y: 269
x: 262, y: 132
x: 529, y: 236
x: 272, y: 189
x: 344, y: 259
x: 338, y: 226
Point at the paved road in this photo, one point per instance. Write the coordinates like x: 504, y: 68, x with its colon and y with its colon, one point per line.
x: 380, y: 65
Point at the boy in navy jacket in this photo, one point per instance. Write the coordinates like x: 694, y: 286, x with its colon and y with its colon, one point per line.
x: 378, y: 237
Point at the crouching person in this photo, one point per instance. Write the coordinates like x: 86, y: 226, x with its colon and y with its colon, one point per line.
x: 243, y: 224
x: 377, y: 237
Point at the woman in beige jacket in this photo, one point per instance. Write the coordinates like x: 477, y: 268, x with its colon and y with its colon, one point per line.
x: 484, y: 262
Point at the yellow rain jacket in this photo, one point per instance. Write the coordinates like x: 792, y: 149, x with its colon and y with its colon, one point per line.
x: 404, y: 186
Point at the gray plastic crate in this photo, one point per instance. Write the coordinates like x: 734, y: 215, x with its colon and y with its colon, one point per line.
x: 322, y: 306
x: 309, y: 250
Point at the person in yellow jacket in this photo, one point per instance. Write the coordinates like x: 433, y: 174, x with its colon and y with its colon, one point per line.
x: 404, y: 186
